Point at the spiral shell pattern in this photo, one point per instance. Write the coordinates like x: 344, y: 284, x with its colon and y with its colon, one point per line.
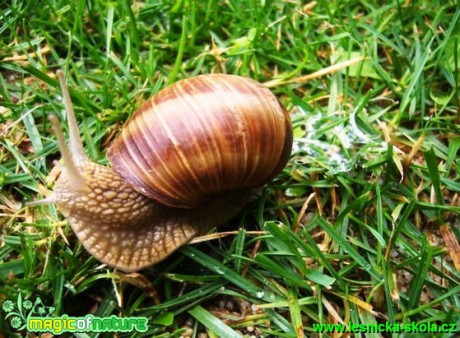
x: 203, y: 136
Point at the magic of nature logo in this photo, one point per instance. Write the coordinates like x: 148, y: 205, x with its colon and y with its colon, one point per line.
x: 36, y: 317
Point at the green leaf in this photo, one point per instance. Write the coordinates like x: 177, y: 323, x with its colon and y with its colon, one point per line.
x: 432, y: 165
x: 320, y: 278
x: 213, y: 323
x: 295, y: 192
x: 424, y: 262
x: 452, y: 155
x: 294, y: 310
x: 15, y: 267
x: 349, y: 249
x: 165, y: 319
x: 224, y: 271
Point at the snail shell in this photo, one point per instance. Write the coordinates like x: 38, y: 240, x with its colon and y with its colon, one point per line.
x: 203, y: 136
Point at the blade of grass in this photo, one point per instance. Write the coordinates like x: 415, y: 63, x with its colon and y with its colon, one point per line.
x: 424, y: 262
x: 432, y: 165
x: 348, y: 248
x: 212, y: 322
x: 224, y: 272
x: 180, y: 53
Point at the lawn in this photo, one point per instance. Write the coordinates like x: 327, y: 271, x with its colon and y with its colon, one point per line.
x: 360, y: 228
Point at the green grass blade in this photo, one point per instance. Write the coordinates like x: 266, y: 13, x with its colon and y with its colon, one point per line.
x: 342, y: 242
x: 225, y: 272
x: 213, y: 323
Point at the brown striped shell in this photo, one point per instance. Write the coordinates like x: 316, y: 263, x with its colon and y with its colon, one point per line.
x: 203, y: 136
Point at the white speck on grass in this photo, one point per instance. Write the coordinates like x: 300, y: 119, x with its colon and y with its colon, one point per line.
x: 339, y: 147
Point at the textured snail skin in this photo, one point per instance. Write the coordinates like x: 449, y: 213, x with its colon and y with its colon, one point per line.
x: 127, y: 230
x: 209, y: 134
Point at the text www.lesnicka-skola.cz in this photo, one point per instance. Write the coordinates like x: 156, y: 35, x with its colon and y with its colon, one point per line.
x: 386, y: 328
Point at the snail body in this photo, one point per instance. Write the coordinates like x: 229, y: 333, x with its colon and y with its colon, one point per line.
x: 181, y: 165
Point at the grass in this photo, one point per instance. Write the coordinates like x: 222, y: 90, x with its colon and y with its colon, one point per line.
x: 362, y: 225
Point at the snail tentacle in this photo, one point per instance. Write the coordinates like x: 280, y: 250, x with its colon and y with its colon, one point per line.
x: 76, y: 145
x: 76, y: 180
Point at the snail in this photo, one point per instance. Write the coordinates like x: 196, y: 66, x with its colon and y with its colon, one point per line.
x: 183, y: 164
